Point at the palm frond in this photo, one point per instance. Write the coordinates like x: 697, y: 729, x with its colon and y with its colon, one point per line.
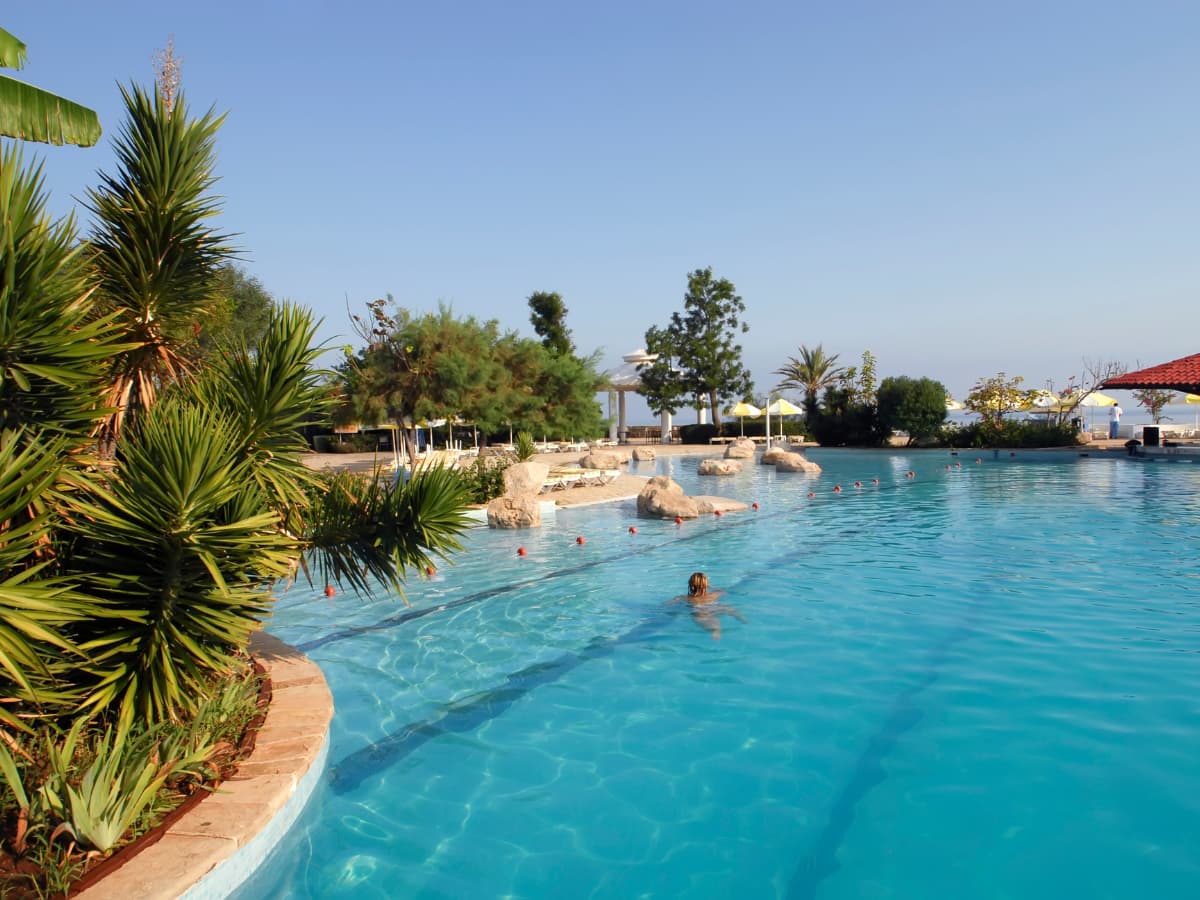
x: 361, y: 531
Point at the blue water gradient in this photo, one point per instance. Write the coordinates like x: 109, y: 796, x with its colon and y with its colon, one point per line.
x: 980, y: 682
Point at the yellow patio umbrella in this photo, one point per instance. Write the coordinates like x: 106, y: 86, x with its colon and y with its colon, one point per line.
x: 1194, y: 398
x: 742, y: 410
x: 953, y: 405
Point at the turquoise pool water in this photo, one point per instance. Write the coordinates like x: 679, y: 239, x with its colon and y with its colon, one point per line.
x: 983, y: 682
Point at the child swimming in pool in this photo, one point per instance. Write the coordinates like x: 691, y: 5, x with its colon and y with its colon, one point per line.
x: 705, y: 608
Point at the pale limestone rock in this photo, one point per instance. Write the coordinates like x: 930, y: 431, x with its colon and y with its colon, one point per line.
x: 662, y: 498
x: 709, y: 505
x: 525, y: 479
x: 643, y: 454
x: 719, y: 467
x: 796, y: 462
x: 770, y: 457
x: 598, y: 459
x: 742, y: 448
x: 514, y: 512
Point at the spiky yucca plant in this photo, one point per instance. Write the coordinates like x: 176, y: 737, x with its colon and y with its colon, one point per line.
x: 155, y: 254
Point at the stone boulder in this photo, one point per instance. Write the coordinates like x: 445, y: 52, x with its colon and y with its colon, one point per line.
x: 770, y: 457
x: 719, y: 467
x: 742, y: 448
x: 662, y: 498
x: 524, y: 479
x: 643, y: 454
x: 709, y: 505
x: 796, y: 462
x: 514, y: 512
x: 598, y: 459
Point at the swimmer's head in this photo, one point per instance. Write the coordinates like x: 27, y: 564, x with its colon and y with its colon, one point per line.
x: 697, y: 584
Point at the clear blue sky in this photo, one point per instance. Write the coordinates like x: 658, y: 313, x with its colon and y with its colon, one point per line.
x: 960, y: 187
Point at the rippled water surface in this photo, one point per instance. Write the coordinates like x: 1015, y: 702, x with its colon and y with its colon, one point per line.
x: 982, y: 682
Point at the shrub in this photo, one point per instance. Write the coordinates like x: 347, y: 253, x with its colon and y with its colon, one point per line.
x: 484, y: 479
x: 1011, y: 434
x: 697, y: 434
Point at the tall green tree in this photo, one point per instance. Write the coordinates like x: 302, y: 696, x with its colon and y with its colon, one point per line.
x: 811, y: 372
x: 697, y: 352
x: 154, y: 250
x: 913, y: 405
x: 548, y: 314
x: 32, y: 114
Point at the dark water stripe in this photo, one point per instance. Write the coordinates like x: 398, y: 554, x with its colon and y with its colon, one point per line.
x: 820, y: 861
x: 468, y: 714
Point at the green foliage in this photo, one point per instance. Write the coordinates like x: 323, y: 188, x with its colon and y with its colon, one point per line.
x: 979, y: 435
x: 858, y: 383
x: 914, y: 405
x: 842, y: 421
x: 363, y: 530
x: 697, y: 434
x: 1154, y: 400
x: 484, y: 479
x: 239, y: 311
x: 178, y: 544
x: 525, y: 447
x: 101, y: 800
x: 812, y: 372
x: 32, y: 114
x: 438, y: 366
x: 548, y: 314
x: 993, y: 398
x: 697, y: 355
x: 53, y: 346
x: 154, y: 254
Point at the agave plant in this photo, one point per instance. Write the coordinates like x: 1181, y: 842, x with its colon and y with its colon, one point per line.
x: 155, y: 255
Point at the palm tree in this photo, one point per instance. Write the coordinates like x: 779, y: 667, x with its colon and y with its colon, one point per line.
x: 31, y: 114
x: 155, y: 256
x: 812, y: 372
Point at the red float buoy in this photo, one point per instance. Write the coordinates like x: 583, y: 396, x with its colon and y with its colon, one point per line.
x: 716, y: 512
x: 678, y: 520
x: 958, y: 465
x: 858, y: 484
x: 329, y: 591
x: 633, y: 529
x: 580, y: 540
x: 754, y: 505
x: 430, y: 571
x: 520, y: 551
x: 837, y: 488
x: 874, y: 481
x: 811, y: 495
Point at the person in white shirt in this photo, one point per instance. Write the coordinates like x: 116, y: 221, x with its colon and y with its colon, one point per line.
x: 1114, y: 420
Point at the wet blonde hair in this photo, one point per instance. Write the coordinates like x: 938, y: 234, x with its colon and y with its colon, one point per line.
x: 697, y: 584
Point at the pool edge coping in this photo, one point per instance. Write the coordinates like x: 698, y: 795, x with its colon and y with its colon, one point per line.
x: 214, y: 848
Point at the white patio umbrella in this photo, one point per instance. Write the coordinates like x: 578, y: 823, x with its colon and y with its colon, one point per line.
x: 743, y: 410
x: 782, y: 408
x: 953, y: 405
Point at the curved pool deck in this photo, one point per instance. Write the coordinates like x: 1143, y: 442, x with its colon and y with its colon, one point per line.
x: 212, y: 849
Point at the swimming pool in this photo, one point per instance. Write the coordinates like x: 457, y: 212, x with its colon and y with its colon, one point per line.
x: 981, y: 682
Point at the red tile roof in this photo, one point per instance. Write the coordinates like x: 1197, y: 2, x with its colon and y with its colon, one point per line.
x: 1176, y: 375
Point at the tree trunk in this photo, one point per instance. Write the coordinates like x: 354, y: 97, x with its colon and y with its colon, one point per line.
x: 716, y: 409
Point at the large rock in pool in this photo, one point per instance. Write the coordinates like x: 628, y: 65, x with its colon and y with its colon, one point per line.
x: 742, y: 448
x: 599, y: 460
x: 796, y: 462
x: 662, y: 498
x: 514, y: 512
x: 719, y: 467
x: 525, y: 479
x: 770, y: 457
x: 643, y: 454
